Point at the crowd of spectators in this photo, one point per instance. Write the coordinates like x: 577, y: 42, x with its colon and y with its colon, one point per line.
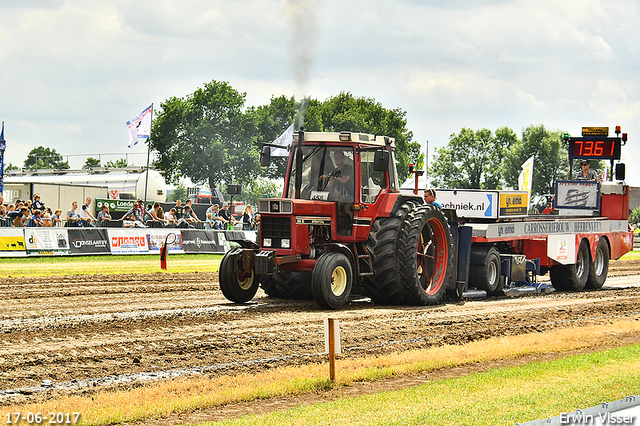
x: 34, y: 213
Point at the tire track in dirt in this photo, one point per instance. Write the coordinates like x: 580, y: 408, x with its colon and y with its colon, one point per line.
x: 64, y: 330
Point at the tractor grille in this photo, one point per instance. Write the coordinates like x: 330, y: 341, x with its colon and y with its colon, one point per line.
x: 276, y: 228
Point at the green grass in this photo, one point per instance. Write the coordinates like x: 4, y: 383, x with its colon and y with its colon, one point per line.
x: 497, y: 397
x: 74, y: 265
x: 632, y: 255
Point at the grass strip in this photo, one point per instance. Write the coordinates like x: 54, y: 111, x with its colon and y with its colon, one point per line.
x: 497, y: 397
x: 190, y: 394
x: 105, y: 265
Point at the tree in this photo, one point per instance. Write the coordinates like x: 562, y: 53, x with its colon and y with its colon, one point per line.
x: 178, y: 193
x: 345, y: 112
x: 118, y: 164
x: 91, y: 162
x: 550, y: 159
x: 634, y: 217
x: 206, y: 137
x: 471, y: 159
x: 10, y: 166
x: 44, y: 158
x: 260, y: 188
x: 270, y: 121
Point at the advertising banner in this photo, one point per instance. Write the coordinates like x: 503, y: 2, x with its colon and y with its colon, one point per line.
x: 577, y: 195
x: 114, y: 205
x: 12, y: 242
x: 513, y: 204
x: 46, y: 241
x: 157, y: 236
x: 128, y: 241
x: 562, y: 248
x: 88, y: 241
x: 470, y: 203
x: 196, y: 241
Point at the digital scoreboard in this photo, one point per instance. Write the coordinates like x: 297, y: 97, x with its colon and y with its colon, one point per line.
x: 595, y: 144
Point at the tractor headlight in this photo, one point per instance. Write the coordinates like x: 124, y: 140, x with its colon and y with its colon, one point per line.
x: 266, y: 242
x: 285, y: 243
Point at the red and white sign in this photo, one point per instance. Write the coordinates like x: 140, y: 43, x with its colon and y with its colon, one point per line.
x: 128, y: 241
x: 113, y: 194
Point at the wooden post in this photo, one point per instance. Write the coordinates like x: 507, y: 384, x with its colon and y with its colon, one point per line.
x: 332, y: 352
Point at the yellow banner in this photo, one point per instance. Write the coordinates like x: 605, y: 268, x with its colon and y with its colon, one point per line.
x: 513, y: 203
x: 12, y: 243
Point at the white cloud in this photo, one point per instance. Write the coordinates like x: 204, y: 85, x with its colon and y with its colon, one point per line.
x: 74, y: 71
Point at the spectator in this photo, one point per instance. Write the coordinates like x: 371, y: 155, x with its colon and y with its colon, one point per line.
x: 154, y: 215
x: 22, y: 218
x: 55, y: 218
x: 46, y: 218
x: 73, y: 219
x: 85, y: 212
x: 104, y: 217
x: 189, y: 217
x: 247, y: 218
x: 134, y: 217
x: 37, y: 203
x: 35, y: 219
x: 220, y: 221
x: 226, y: 214
x: 189, y: 203
x: 179, y: 210
x: 170, y: 217
x: 210, y: 223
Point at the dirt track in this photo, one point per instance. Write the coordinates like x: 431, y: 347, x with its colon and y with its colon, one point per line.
x: 87, y: 332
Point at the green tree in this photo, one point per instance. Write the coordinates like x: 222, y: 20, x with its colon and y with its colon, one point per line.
x: 206, y: 137
x: 345, y: 112
x: 270, y: 121
x: 550, y: 159
x: 260, y: 188
x: 471, y: 159
x: 9, y: 166
x: 178, y: 193
x: 44, y: 158
x: 91, y: 162
x: 118, y: 164
x: 634, y: 217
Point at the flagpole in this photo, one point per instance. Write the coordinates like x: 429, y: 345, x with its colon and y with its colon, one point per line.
x: 3, y: 146
x: 146, y: 180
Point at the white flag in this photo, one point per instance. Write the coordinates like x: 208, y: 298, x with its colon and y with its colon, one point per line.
x: 525, y: 180
x: 285, y: 139
x: 139, y: 127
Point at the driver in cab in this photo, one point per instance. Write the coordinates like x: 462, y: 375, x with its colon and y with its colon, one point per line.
x: 341, y: 178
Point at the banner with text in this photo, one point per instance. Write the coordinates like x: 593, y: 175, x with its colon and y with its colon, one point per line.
x: 89, y: 241
x: 46, y: 241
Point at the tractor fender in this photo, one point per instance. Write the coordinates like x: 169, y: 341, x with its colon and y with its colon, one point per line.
x: 341, y: 248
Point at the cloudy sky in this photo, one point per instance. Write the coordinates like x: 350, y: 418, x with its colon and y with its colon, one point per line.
x: 73, y: 72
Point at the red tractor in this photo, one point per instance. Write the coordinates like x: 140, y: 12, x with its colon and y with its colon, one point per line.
x: 342, y: 226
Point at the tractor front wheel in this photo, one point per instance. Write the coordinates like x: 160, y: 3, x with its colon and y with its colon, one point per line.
x: 237, y: 285
x: 331, y: 280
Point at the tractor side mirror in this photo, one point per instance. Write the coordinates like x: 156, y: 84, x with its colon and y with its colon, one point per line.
x: 265, y: 156
x: 381, y: 161
x: 620, y: 171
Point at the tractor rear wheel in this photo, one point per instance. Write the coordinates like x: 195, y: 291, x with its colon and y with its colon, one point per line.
x: 237, y: 285
x: 425, y: 256
x: 331, y: 280
x: 599, y: 268
x: 288, y: 285
x: 411, y: 254
x: 572, y: 277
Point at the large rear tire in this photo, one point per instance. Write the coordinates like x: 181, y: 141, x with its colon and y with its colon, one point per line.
x: 412, y: 256
x: 425, y: 256
x: 288, y: 285
x: 237, y: 285
x: 331, y: 280
x: 599, y: 267
x: 572, y: 277
x: 383, y: 286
